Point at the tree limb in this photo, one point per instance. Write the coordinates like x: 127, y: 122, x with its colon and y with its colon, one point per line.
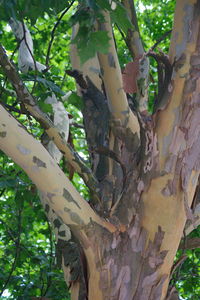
x: 161, y: 39
x: 97, y: 116
x: 189, y: 244
x: 112, y: 78
x: 31, y: 105
x: 135, y: 46
x: 182, y: 54
x: 190, y: 226
x: 55, y: 187
x: 133, y: 39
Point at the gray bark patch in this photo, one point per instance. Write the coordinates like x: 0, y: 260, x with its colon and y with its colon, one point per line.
x: 47, y: 208
x: 111, y: 60
x: 3, y: 134
x: 39, y: 162
x: 50, y: 196
x: 57, y: 223
x: 69, y: 197
x: 23, y: 150
x: 74, y: 216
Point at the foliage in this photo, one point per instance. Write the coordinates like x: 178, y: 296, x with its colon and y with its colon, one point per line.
x: 187, y: 275
x: 27, y: 248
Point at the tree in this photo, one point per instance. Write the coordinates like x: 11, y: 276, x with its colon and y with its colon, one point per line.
x: 143, y: 152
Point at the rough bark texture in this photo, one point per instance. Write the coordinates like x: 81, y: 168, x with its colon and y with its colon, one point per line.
x: 144, y: 168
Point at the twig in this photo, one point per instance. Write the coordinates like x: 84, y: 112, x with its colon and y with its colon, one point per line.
x: 49, y: 281
x: 190, y: 244
x: 1, y: 193
x: 76, y: 125
x: 17, y: 243
x: 5, y: 80
x: 107, y: 152
x: 33, y: 58
x: 11, y: 108
x: 165, y: 69
x: 11, y: 235
x: 160, y: 39
x: 53, y: 32
x: 63, y: 79
x: 179, y: 262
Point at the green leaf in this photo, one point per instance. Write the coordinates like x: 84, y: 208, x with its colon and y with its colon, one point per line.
x: 58, y: 5
x: 45, y: 82
x: 120, y: 17
x: 32, y: 9
x: 101, y: 41
x: 104, y: 4
x: 19, y: 199
x: 45, y: 107
x: 75, y: 100
x: 51, y: 85
x: 92, y: 4
x: 97, y: 42
x: 7, y: 9
x: 8, y: 183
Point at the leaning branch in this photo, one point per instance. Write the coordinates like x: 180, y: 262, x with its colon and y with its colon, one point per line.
x: 112, y: 78
x: 32, y: 107
x: 179, y: 98
x: 42, y: 169
x: 133, y: 38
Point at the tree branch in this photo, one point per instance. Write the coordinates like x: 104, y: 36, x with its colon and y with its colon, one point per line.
x: 189, y: 244
x: 96, y: 120
x: 112, y: 78
x: 164, y: 69
x: 54, y: 186
x: 182, y: 90
x: 31, y: 105
x: 190, y: 226
x: 133, y: 38
x: 135, y: 46
x: 160, y: 39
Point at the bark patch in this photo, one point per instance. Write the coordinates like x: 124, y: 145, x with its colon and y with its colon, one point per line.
x: 69, y: 197
x: 111, y: 60
x: 74, y: 217
x: 38, y: 162
x: 23, y: 150
x: 2, y: 134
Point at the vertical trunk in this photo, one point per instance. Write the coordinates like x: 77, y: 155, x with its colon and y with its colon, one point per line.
x: 135, y: 261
